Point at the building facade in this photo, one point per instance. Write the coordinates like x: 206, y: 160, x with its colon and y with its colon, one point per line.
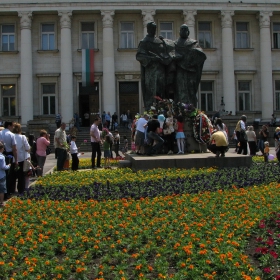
x: 41, y: 57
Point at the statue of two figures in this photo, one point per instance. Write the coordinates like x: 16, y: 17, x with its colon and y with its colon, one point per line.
x: 170, y: 69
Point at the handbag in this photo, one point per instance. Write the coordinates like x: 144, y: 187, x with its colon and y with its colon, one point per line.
x: 48, y: 150
x: 26, y: 165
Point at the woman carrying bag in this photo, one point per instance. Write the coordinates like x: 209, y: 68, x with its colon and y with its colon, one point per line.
x: 22, y: 148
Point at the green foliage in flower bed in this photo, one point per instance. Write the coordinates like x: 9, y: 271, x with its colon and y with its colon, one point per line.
x: 189, y: 236
x: 123, y: 183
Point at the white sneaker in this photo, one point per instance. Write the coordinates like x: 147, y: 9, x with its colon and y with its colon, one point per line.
x: 170, y: 152
x: 179, y: 153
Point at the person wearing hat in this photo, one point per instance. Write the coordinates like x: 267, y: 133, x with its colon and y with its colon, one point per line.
x: 153, y: 130
x: 117, y: 142
x: 241, y: 135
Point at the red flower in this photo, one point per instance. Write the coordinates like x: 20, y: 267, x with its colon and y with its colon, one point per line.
x: 273, y: 254
x: 270, y: 242
x: 262, y: 250
x: 267, y: 270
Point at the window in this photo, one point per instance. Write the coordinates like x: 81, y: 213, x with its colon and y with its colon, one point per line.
x: 277, y: 94
x: 204, y: 34
x: 48, y: 40
x: 7, y: 37
x: 206, y: 96
x: 276, y: 35
x: 8, y: 100
x: 127, y: 35
x: 48, y: 99
x: 244, y: 93
x: 87, y: 31
x: 242, y: 35
x: 166, y: 30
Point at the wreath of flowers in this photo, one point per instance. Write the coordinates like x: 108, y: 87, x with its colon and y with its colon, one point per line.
x: 202, y: 128
x: 201, y: 123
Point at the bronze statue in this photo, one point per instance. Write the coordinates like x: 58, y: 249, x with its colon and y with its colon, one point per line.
x: 154, y: 54
x: 170, y: 66
x: 189, y: 59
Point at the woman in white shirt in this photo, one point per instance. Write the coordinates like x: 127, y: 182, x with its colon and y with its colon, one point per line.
x: 22, y: 148
x: 252, y: 140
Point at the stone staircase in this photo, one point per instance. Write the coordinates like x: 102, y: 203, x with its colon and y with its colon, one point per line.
x: 83, y: 138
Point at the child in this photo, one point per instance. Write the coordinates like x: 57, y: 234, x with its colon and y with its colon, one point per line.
x: 266, y: 151
x: 125, y: 147
x: 3, y: 167
x: 107, y: 153
x: 180, y: 136
x: 74, y: 153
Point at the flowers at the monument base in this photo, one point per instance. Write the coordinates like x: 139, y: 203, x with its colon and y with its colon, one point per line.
x: 202, y: 127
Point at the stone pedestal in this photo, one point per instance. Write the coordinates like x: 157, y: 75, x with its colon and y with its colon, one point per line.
x: 191, y: 144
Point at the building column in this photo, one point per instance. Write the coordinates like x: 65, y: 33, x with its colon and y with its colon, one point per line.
x: 26, y: 73
x: 189, y: 20
x: 148, y: 16
x: 66, y: 68
x: 228, y: 63
x: 109, y: 82
x: 266, y: 65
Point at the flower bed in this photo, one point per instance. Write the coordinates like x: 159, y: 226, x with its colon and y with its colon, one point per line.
x: 123, y: 183
x: 189, y: 236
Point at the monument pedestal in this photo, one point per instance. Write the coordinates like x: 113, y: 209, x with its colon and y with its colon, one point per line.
x: 191, y: 145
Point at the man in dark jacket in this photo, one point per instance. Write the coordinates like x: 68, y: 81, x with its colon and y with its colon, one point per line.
x: 153, y: 134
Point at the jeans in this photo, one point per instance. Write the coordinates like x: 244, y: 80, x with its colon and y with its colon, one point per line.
x: 157, y: 147
x: 40, y: 162
x: 61, y: 157
x: 95, y: 149
x: 261, y: 145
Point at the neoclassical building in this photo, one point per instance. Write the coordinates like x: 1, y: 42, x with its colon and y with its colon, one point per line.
x: 41, y: 55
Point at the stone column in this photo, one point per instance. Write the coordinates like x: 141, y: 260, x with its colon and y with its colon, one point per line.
x: 228, y: 64
x: 266, y: 65
x: 148, y: 16
x: 109, y: 81
x: 26, y: 73
x: 189, y: 20
x: 66, y: 68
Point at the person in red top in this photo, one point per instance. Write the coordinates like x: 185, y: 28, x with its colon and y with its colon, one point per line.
x: 180, y: 136
x: 42, y: 143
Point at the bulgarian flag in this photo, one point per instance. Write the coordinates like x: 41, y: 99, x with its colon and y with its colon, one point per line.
x: 87, y: 67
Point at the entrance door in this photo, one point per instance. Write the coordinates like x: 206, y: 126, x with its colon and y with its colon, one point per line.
x: 88, y: 103
x: 129, y: 97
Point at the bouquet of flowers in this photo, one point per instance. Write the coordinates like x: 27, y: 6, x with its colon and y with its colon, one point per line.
x: 163, y: 105
x: 104, y: 132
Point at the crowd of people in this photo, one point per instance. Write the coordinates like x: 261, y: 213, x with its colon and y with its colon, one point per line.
x: 150, y: 135
x: 20, y: 158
